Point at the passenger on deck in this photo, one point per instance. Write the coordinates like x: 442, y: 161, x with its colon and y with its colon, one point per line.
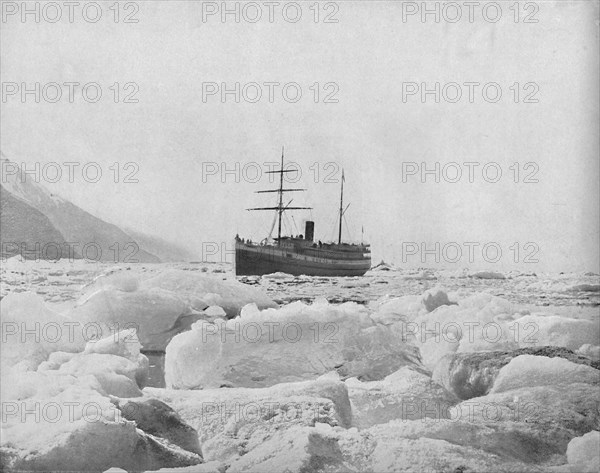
x: 320, y: 244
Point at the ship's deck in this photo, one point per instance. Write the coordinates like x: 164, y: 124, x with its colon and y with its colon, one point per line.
x: 333, y: 251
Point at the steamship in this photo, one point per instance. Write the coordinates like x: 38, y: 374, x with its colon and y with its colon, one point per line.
x: 300, y: 254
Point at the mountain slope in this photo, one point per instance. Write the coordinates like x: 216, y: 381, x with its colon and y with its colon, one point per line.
x: 165, y: 250
x: 92, y: 237
x: 25, y: 230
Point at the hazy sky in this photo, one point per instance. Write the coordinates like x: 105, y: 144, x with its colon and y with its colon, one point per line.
x: 374, y: 131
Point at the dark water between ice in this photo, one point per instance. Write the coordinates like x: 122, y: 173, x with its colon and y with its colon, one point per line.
x: 156, y: 374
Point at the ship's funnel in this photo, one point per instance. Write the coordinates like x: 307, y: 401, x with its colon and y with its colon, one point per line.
x: 309, y: 230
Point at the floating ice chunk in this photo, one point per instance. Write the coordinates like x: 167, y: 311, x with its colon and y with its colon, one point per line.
x: 481, y: 322
x: 394, y: 454
x: 231, y: 295
x: 56, y: 359
x: 484, y: 301
x: 584, y: 452
x: 294, y: 343
x: 530, y: 370
x: 330, y: 376
x: 278, y: 275
x: 232, y: 421
x: 31, y: 331
x: 112, y: 366
x: 398, y: 308
x: 433, y: 350
x: 591, y: 351
x: 157, y: 418
x: 542, y: 330
x: 383, y: 266
x: 88, y: 446
x: 155, y: 313
x: 60, y: 417
x: 391, y: 447
x: 118, y: 376
x: 405, y: 394
x: 212, y: 299
x: 125, y: 344
x: 562, y: 411
x: 251, y: 311
x: 293, y: 451
x: 114, y: 278
x: 18, y: 385
x: 465, y: 326
x: 215, y: 311
x: 513, y: 442
x: 473, y: 374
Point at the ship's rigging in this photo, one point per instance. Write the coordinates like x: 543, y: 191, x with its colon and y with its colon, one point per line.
x: 280, y: 208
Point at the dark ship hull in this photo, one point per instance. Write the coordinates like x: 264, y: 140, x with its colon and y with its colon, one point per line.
x: 296, y: 256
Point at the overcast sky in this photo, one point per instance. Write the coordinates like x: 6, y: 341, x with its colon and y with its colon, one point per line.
x: 373, y: 131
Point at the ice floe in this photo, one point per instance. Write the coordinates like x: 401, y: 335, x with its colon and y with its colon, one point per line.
x: 62, y: 416
x: 294, y: 343
x: 437, y: 380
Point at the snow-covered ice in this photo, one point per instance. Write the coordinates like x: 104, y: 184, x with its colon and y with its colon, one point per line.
x: 61, y: 416
x: 583, y: 453
x: 529, y: 371
x: 398, y: 371
x: 294, y: 343
x: 229, y: 294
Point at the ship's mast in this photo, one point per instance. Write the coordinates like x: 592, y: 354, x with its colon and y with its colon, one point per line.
x: 341, y: 209
x: 280, y: 211
x: 280, y: 207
